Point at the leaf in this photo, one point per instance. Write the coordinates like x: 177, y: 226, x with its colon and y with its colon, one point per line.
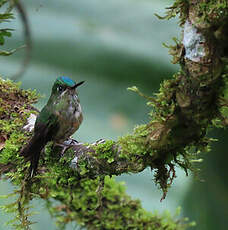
x: 10, y: 52
x: 4, y: 33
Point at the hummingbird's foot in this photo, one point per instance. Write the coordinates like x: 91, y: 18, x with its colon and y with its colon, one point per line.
x: 65, y: 145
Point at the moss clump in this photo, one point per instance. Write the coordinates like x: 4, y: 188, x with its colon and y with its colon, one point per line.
x: 211, y: 13
x: 15, y: 108
x: 180, y: 7
x: 106, y: 151
x: 135, y: 144
x: 114, y: 209
x: 204, y: 14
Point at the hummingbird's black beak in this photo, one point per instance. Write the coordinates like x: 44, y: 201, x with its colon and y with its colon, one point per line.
x: 78, y: 84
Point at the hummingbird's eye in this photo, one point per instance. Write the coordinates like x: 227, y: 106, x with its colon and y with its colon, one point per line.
x: 60, y: 88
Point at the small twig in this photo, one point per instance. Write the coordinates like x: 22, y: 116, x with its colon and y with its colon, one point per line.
x: 27, y: 34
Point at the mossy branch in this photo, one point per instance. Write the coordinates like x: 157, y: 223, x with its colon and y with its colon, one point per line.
x: 182, y: 112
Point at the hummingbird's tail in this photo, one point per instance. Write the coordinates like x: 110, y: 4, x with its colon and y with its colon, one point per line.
x: 32, y: 152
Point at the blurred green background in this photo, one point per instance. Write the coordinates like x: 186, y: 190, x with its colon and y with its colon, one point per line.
x: 114, y: 44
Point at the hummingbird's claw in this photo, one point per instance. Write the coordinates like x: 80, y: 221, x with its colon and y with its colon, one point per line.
x: 65, y: 145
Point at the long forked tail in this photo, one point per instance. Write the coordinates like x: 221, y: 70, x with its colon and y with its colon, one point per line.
x: 32, y: 152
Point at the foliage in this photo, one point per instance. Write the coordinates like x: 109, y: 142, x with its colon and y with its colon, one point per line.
x: 6, y: 16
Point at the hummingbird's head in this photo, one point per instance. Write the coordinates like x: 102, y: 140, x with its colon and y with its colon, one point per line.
x: 65, y: 85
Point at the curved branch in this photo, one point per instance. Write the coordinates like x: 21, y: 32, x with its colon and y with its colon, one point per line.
x: 27, y: 34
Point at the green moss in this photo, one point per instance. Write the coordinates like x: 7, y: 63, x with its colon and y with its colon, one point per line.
x: 115, y: 210
x: 106, y: 151
x: 204, y: 14
x: 14, y: 107
x: 180, y: 7
x: 11, y: 148
x: 130, y: 148
x: 13, y: 116
x: 213, y: 12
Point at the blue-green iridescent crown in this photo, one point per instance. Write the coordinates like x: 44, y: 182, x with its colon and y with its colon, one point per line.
x: 66, y: 81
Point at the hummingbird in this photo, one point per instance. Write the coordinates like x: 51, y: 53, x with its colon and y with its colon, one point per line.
x: 57, y: 121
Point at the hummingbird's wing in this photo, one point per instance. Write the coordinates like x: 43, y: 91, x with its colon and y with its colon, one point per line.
x: 45, y: 127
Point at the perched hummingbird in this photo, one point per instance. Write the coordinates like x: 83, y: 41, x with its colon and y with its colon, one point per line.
x: 57, y: 121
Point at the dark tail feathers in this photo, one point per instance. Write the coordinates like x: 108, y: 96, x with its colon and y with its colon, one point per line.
x: 32, y: 152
